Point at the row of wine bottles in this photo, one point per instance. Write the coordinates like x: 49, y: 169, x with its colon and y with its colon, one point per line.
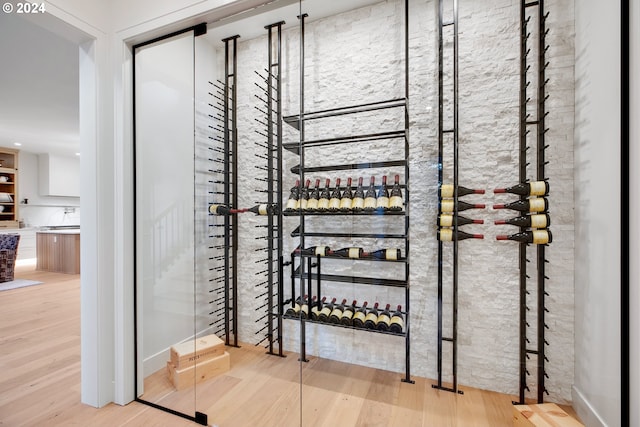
x: 391, y: 254
x: 447, y: 206
x: 348, y: 314
x: 534, y: 211
x: 347, y: 200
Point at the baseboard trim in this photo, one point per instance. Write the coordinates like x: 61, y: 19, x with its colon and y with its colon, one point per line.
x: 585, y: 410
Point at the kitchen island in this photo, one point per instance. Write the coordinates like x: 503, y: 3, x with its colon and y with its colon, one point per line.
x: 58, y: 250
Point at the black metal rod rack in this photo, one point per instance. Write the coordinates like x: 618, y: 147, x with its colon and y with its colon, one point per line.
x: 270, y: 85
x: 533, y: 39
x: 453, y: 131
x: 303, y: 272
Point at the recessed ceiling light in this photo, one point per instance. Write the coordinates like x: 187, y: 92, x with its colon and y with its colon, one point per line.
x: 17, y: 144
x: 77, y: 154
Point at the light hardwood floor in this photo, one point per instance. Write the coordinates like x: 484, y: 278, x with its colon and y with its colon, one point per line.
x: 40, y: 381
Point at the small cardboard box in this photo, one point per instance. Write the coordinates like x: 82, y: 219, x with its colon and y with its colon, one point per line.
x: 202, y: 371
x: 542, y: 415
x: 188, y: 353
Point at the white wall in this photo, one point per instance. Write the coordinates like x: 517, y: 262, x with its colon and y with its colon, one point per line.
x: 634, y: 214
x: 597, y: 182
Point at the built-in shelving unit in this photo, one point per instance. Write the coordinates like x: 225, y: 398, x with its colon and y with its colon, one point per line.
x: 9, y: 188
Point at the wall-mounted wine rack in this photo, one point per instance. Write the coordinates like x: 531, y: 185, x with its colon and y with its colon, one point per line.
x: 451, y: 132
x: 533, y: 82
x: 224, y: 191
x: 307, y: 269
x: 270, y: 106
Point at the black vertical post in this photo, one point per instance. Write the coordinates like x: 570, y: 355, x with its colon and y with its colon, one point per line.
x: 270, y: 194
x: 227, y: 196
x: 279, y: 184
x: 454, y: 337
x: 302, y: 178
x: 440, y: 176
x: 234, y: 152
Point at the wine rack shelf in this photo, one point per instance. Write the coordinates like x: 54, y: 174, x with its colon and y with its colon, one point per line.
x: 340, y: 325
x: 302, y: 266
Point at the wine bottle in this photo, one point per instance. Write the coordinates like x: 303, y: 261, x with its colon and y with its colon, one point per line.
x: 446, y: 191
x: 304, y: 308
x: 397, y: 321
x: 357, y: 204
x: 384, y: 319
x: 372, y: 317
x: 336, y: 313
x: 447, y: 205
x: 447, y: 235
x: 315, y: 310
x: 347, y: 196
x: 391, y: 254
x: 313, y: 250
x: 325, y: 195
x: 395, y: 201
x: 293, y: 197
x: 533, y: 221
x: 263, y: 209
x: 445, y: 220
x: 347, y: 314
x: 334, y: 201
x: 348, y: 252
x: 537, y: 237
x: 370, y: 196
x: 326, y: 310
x: 534, y: 188
x: 536, y: 204
x: 219, y: 210
x: 382, y: 201
x: 359, y: 316
x: 304, y: 196
x: 295, y: 309
x: 312, y: 203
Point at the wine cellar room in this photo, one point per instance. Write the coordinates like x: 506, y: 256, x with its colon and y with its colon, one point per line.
x: 363, y: 212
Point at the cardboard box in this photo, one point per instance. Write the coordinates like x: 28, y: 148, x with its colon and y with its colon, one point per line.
x: 542, y: 415
x: 189, y: 353
x: 207, y: 369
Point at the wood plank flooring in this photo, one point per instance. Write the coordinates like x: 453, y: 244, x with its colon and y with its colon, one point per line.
x: 40, y: 381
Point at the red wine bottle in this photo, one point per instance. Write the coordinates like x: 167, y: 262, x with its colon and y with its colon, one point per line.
x: 347, y: 197
x: 446, y: 191
x: 382, y: 201
x: 348, y: 253
x: 313, y: 250
x: 315, y: 310
x: 447, y: 205
x: 357, y: 204
x: 334, y: 201
x: 304, y: 308
x: 396, y: 324
x: 372, y: 317
x: 395, y: 201
x: 347, y: 314
x: 391, y: 254
x: 537, y: 237
x: 447, y: 235
x: 295, y: 309
x: 536, y: 204
x: 359, y: 316
x: 325, y: 195
x: 292, y: 203
x: 532, y: 221
x: 304, y: 196
x: 384, y: 319
x: 370, y: 196
x: 263, y: 209
x: 336, y: 313
x: 219, y: 210
x: 445, y: 220
x: 534, y: 188
x: 323, y: 316
x: 312, y: 203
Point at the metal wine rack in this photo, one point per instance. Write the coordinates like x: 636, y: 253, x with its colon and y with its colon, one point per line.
x: 533, y: 84
x: 224, y: 191
x: 306, y: 268
x: 270, y: 107
x: 451, y: 132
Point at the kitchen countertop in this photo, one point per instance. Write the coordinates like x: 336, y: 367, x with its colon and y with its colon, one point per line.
x: 63, y: 231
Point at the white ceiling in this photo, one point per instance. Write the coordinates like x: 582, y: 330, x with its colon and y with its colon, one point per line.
x: 38, y: 88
